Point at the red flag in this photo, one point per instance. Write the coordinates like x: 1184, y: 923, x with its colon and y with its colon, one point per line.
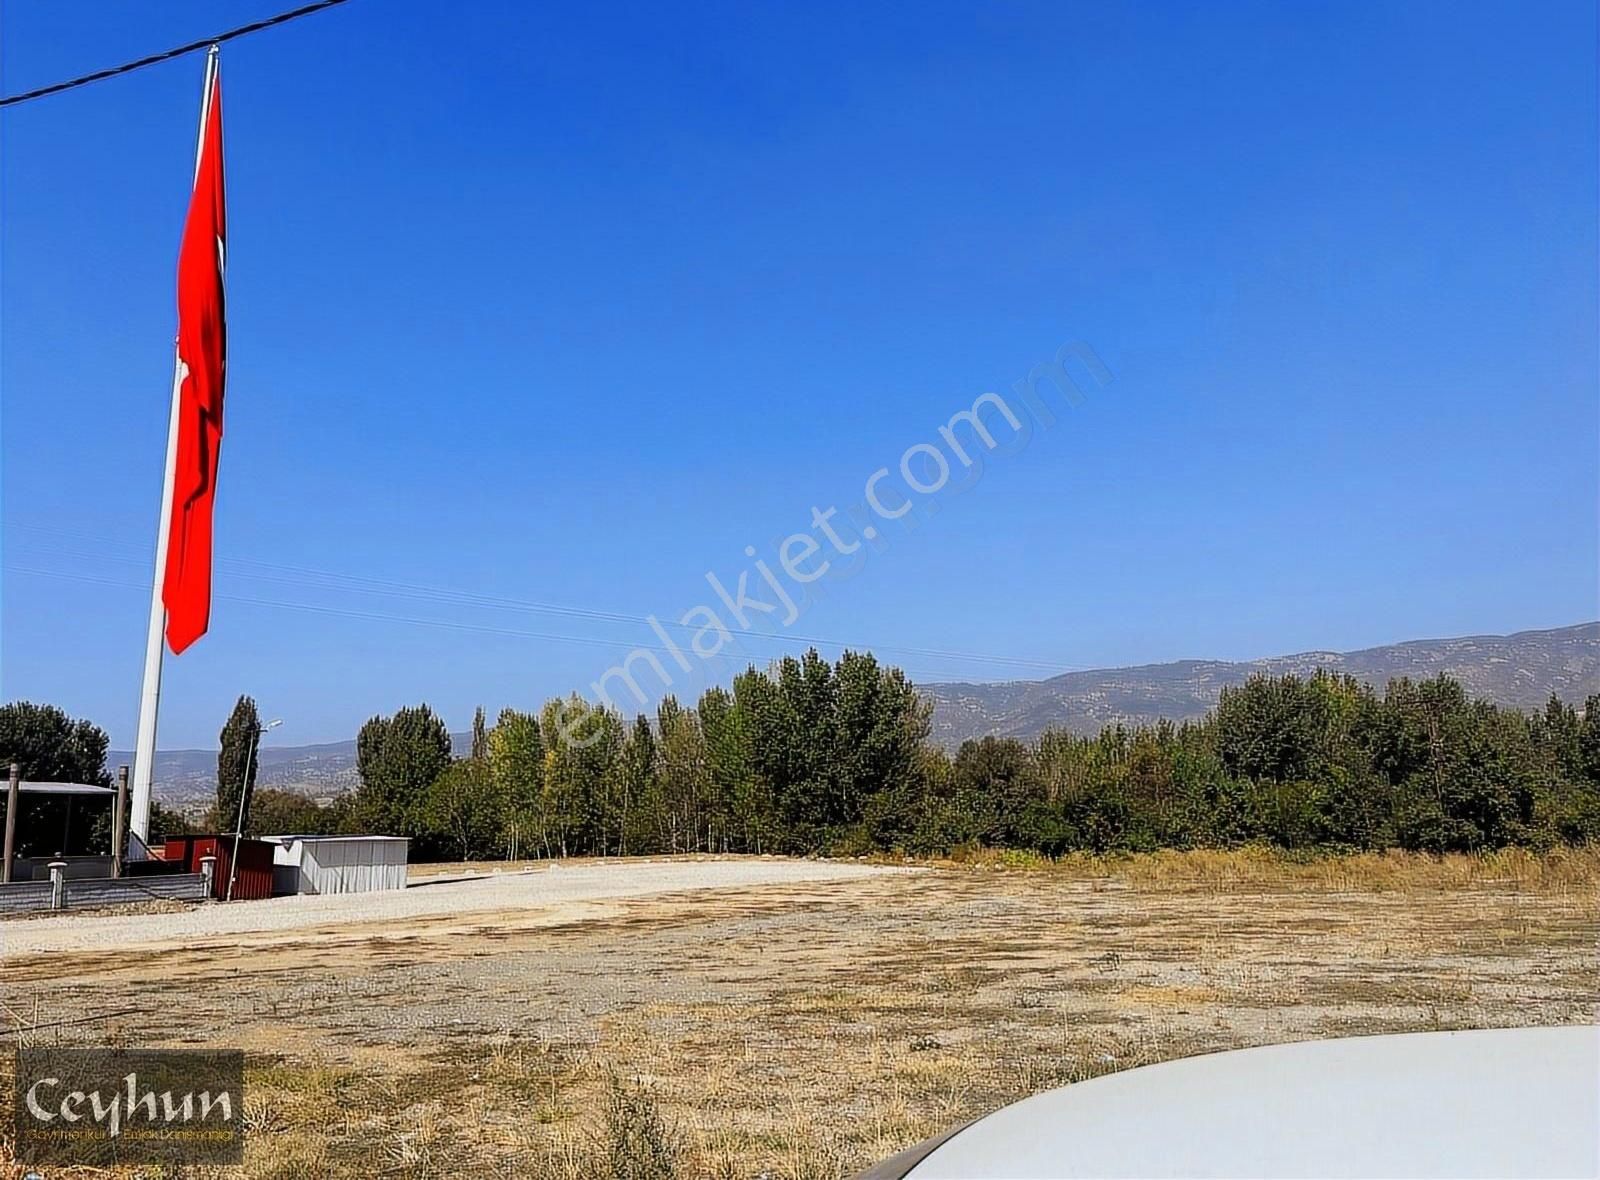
x: 202, y: 357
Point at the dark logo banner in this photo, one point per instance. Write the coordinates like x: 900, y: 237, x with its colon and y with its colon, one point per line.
x: 129, y: 1106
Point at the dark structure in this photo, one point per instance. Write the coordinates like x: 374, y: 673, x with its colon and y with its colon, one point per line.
x: 62, y: 821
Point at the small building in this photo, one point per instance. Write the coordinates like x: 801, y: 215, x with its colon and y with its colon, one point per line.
x: 254, y: 878
x: 338, y: 864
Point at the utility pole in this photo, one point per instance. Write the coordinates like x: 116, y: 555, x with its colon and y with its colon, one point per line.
x: 244, y: 793
x: 119, y: 821
x: 13, y: 797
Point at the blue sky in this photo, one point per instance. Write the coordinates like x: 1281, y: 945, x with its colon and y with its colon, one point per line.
x: 566, y: 308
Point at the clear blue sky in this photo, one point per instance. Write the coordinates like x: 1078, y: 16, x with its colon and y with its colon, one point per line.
x: 571, y: 306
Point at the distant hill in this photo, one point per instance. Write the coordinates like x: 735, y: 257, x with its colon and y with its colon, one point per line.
x: 185, y: 777
x: 1520, y: 670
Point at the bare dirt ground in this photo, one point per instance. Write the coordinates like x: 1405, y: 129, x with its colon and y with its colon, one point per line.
x: 801, y: 1028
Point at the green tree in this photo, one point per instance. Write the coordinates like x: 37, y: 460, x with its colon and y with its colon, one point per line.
x: 938, y: 824
x: 398, y: 758
x: 286, y: 813
x: 815, y: 802
x: 1465, y: 771
x: 789, y: 716
x: 810, y: 756
x: 741, y: 803
x: 772, y: 735
x: 681, y: 768
x: 643, y: 820
x: 480, y: 735
x: 1558, y: 733
x: 164, y: 822
x: 1268, y: 728
x: 996, y: 782
x: 580, y: 780
x: 1589, y: 740
x: 516, y: 763
x: 881, y: 724
x: 50, y: 747
x: 461, y: 814
x: 238, y: 761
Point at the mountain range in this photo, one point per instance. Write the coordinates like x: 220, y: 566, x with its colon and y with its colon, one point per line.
x: 1520, y: 670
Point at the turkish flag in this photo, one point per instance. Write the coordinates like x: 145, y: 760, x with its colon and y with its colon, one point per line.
x: 202, y: 365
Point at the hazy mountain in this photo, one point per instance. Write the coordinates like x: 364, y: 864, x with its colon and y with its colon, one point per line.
x: 189, y: 776
x: 1520, y: 670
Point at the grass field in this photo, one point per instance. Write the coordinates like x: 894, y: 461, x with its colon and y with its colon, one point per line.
x: 804, y: 1029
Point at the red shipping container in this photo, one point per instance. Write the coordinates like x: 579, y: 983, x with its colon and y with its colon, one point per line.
x: 254, y: 878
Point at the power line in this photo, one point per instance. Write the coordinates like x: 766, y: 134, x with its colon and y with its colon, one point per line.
x: 154, y: 58
x: 544, y: 636
x: 443, y: 624
x: 342, y: 612
x: 303, y: 577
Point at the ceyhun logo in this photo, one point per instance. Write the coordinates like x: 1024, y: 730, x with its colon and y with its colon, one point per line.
x: 103, y: 1106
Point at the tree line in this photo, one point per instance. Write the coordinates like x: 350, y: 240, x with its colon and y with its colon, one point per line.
x: 806, y: 757
x: 811, y: 757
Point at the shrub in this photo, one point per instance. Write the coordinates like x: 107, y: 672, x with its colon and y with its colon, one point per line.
x: 639, y: 1144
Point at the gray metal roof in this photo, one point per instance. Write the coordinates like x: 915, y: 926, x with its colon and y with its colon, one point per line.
x: 65, y: 789
x: 343, y: 839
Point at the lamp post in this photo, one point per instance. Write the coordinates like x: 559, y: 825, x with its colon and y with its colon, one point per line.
x: 244, y: 793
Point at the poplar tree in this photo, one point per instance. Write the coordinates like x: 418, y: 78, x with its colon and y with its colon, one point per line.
x: 238, y: 762
x: 480, y: 735
x: 516, y: 764
x: 641, y: 821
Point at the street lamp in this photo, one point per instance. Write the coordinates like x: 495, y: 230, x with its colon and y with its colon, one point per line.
x: 244, y: 793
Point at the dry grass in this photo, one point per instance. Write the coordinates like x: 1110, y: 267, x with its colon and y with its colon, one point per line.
x: 653, y: 1120
x: 802, y: 1032
x: 1561, y: 871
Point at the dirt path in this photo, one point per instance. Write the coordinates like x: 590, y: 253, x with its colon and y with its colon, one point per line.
x: 544, y: 894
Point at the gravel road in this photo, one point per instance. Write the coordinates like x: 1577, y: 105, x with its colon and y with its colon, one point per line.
x: 547, y: 888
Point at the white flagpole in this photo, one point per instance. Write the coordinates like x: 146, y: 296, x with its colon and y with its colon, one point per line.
x: 144, y: 753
